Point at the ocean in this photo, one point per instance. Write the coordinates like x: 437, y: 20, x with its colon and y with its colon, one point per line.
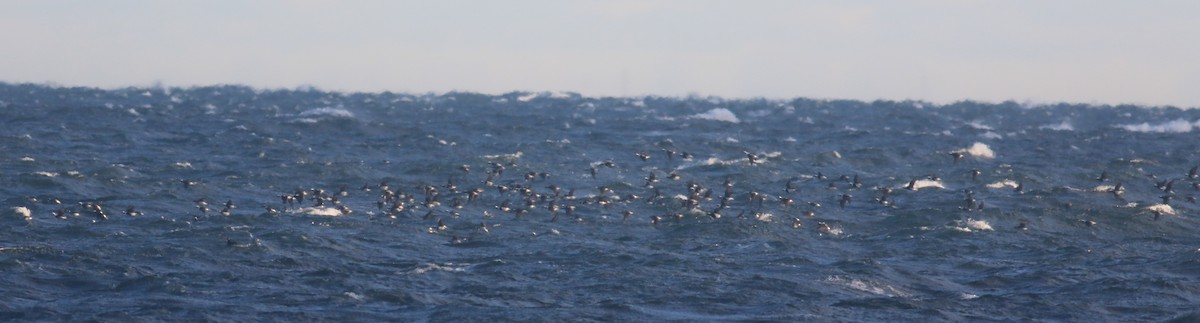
x: 231, y: 203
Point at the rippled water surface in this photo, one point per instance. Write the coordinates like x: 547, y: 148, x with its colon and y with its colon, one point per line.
x: 454, y: 207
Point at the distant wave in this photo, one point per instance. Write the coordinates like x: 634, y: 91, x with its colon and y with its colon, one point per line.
x: 1174, y: 126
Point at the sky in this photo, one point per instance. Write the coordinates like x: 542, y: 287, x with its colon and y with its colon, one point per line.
x: 1096, y: 51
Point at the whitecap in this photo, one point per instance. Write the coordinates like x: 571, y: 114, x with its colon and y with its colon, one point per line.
x: 512, y: 156
x: 867, y: 286
x: 1008, y: 183
x: 1062, y: 126
x: 318, y: 211
x: 527, y: 97
x: 446, y: 267
x: 924, y: 183
x: 27, y: 159
x: 978, y: 225
x: 711, y: 161
x: 327, y: 112
x: 991, y: 135
x: 1177, y: 126
x: 978, y: 125
x: 183, y: 164
x: 47, y: 174
x: 759, y: 113
x: 718, y: 114
x: 1163, y: 209
x: 23, y: 212
x: 978, y: 149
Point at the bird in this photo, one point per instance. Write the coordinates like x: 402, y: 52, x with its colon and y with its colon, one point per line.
x: 642, y: 156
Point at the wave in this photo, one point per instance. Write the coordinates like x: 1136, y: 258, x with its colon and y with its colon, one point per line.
x: 1174, y: 126
x: 718, y: 114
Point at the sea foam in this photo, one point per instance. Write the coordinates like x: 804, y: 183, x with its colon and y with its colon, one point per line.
x: 1174, y: 126
x: 718, y: 114
x: 978, y: 149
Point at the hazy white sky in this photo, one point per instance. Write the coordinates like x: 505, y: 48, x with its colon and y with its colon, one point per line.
x: 1145, y: 52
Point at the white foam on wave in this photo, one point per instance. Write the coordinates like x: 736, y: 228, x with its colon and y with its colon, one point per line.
x: 318, y: 211
x: 1103, y: 188
x: 327, y: 112
x: 527, y: 97
x: 1008, y: 183
x: 924, y: 183
x: 27, y: 159
x: 867, y: 286
x: 1163, y: 209
x: 446, y: 267
x: 708, y: 162
x: 183, y: 165
x: 1177, y: 126
x: 718, y: 114
x: 23, y: 212
x: 978, y: 125
x: 1061, y: 126
x: 978, y: 149
x: 991, y: 135
x: 759, y: 113
x: 47, y: 174
x: 971, y: 225
x: 553, y: 95
x: 711, y: 161
x: 512, y: 156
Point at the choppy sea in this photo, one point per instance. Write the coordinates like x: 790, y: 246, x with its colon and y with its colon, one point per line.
x: 230, y: 203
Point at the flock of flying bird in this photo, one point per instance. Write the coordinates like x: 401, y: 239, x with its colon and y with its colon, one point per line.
x: 532, y: 192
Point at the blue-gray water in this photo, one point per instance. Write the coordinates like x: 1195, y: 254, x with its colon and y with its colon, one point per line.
x: 1064, y: 247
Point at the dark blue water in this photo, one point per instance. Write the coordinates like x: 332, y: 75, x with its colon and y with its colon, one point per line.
x: 386, y: 228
